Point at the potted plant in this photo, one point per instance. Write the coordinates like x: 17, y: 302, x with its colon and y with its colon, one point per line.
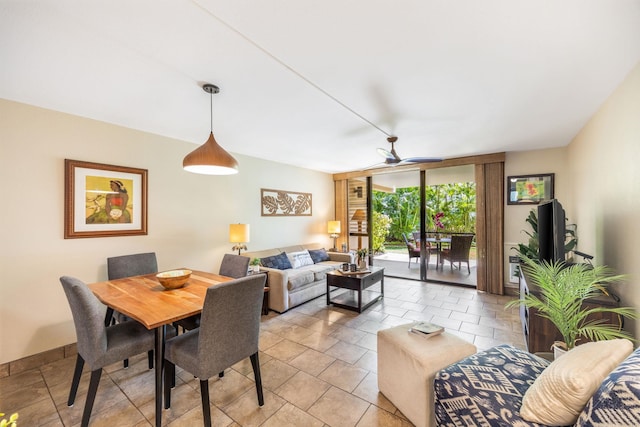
x: 362, y: 258
x: 562, y: 290
x: 255, y: 264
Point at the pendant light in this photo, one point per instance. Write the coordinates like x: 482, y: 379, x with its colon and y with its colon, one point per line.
x: 210, y: 158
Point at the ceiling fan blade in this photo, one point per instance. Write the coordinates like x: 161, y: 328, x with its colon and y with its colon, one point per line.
x: 422, y: 160
x: 385, y: 153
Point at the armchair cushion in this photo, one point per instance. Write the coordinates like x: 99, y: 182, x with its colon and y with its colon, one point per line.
x: 319, y: 255
x: 280, y: 261
x: 560, y: 393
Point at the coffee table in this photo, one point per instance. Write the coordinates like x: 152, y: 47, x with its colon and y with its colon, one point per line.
x: 357, y: 296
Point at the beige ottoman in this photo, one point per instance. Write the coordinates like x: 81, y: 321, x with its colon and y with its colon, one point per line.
x: 407, y: 364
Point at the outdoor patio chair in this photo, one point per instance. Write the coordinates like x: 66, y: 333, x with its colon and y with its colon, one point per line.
x: 458, y: 251
x: 414, y: 252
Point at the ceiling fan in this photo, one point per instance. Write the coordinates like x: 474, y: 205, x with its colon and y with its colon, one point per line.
x: 392, y: 158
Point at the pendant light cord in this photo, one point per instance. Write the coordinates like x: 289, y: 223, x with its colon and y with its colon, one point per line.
x: 290, y: 68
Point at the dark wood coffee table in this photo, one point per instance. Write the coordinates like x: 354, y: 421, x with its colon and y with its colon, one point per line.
x: 357, y: 296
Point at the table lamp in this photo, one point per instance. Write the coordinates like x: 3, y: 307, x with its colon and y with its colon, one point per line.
x: 239, y: 234
x: 333, y: 228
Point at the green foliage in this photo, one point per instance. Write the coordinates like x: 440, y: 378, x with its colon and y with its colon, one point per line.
x: 456, y: 201
x: 255, y: 261
x: 562, y: 291
x: 11, y: 422
x: 380, y: 231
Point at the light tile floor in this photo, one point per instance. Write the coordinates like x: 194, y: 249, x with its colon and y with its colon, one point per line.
x: 318, y: 365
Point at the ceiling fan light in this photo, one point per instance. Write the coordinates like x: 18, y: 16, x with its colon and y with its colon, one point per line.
x: 210, y: 159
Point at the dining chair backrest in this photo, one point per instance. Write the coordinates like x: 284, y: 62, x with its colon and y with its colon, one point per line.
x: 460, y: 246
x: 88, y: 318
x: 230, y: 324
x: 235, y: 266
x: 416, y: 235
x: 407, y: 242
x: 131, y: 265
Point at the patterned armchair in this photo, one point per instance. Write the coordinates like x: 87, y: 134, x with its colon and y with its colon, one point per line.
x: 486, y: 389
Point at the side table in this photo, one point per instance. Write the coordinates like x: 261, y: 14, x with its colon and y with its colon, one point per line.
x: 265, y: 300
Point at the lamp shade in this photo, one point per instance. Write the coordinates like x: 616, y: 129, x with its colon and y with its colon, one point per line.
x: 210, y: 159
x: 333, y: 227
x: 239, y: 233
x: 359, y: 215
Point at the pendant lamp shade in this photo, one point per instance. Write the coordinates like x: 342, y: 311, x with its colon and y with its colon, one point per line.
x: 210, y: 158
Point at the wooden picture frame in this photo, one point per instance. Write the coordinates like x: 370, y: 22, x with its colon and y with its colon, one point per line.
x: 285, y: 203
x: 104, y: 200
x: 529, y: 189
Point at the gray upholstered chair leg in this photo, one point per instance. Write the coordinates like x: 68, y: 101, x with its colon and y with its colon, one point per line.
x: 77, y: 373
x: 206, y: 409
x: 255, y: 364
x: 91, y: 396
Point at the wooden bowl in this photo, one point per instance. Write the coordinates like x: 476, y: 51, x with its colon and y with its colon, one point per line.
x: 173, y: 279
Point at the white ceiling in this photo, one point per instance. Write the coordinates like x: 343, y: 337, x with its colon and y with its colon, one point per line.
x: 450, y: 78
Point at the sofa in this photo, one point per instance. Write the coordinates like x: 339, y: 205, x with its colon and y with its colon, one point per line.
x: 302, y: 278
x: 598, y: 384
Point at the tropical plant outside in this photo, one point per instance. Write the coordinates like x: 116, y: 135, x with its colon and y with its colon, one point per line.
x: 380, y: 231
x: 562, y: 291
x: 454, y: 204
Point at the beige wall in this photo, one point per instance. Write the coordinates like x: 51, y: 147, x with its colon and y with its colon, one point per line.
x: 189, y: 215
x: 597, y: 180
x: 604, y: 163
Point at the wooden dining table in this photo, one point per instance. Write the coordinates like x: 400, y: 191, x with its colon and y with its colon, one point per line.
x: 144, y: 299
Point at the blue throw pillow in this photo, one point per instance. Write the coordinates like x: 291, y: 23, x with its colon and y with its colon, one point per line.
x: 281, y: 262
x: 319, y: 255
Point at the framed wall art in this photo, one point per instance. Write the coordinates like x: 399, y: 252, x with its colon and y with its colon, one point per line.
x: 529, y: 189
x: 104, y: 200
x: 285, y: 203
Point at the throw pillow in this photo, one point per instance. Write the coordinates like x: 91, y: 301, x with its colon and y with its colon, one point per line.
x: 300, y: 259
x: 280, y: 261
x: 560, y: 393
x: 319, y: 255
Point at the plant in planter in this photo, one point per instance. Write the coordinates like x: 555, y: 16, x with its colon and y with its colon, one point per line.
x: 362, y: 257
x: 255, y: 264
x: 562, y: 291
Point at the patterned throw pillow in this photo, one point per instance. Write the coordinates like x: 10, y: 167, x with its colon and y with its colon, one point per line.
x: 280, y: 261
x: 319, y: 255
x: 300, y: 259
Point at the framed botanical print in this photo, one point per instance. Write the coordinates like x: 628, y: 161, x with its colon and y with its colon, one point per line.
x: 104, y: 200
x: 529, y: 189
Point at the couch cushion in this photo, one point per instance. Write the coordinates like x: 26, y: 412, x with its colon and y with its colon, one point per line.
x: 319, y: 255
x: 560, y: 393
x: 299, y: 277
x: 618, y: 394
x: 320, y: 270
x: 299, y: 259
x: 280, y: 261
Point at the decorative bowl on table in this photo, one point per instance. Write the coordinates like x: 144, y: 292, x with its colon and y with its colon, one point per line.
x: 173, y: 279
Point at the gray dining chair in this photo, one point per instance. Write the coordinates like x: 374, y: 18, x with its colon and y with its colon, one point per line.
x: 99, y: 345
x: 119, y: 267
x: 235, y: 266
x: 228, y: 333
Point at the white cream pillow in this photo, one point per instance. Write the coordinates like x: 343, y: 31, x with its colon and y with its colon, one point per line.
x: 299, y: 259
x: 560, y: 393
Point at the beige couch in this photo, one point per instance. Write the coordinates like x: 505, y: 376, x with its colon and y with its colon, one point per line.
x: 294, y: 286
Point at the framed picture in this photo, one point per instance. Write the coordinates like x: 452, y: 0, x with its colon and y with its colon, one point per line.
x: 529, y: 189
x: 104, y: 200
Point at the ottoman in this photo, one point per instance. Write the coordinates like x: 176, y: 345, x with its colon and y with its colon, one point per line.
x: 407, y: 364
